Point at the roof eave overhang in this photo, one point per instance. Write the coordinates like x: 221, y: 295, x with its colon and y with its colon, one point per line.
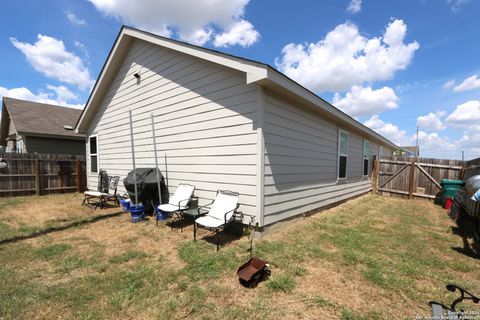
x: 276, y: 78
x: 51, y: 136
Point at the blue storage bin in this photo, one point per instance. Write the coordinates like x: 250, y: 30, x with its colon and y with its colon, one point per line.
x: 137, y: 213
x: 160, y: 215
x: 125, y: 204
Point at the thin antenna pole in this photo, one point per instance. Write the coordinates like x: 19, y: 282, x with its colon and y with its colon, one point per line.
x: 416, y: 145
x: 133, y: 158
x: 156, y: 160
x: 166, y: 170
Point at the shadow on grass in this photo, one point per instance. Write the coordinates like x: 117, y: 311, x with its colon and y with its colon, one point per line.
x: 466, y: 230
x: 223, y: 237
x: 48, y: 230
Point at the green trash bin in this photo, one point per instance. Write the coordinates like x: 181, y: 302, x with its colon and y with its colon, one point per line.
x: 450, y: 188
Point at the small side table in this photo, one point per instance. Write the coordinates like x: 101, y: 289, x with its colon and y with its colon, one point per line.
x: 195, y: 213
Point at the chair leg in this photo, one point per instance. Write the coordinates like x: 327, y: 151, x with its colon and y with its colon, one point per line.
x: 194, y: 231
x: 217, y: 238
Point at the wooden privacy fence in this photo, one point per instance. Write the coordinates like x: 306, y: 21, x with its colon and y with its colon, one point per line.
x: 413, y: 177
x: 27, y: 174
x: 472, y: 168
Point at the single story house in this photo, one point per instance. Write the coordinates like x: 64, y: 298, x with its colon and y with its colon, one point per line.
x: 224, y: 122
x: 31, y: 127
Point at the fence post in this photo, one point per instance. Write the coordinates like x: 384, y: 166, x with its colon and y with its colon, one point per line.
x: 375, y: 176
x: 37, y: 177
x: 412, y: 179
x: 79, y: 176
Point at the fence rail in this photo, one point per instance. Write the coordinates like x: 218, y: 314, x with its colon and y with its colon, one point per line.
x: 413, y: 177
x: 27, y: 174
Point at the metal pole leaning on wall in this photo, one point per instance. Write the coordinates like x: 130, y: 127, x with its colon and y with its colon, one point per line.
x: 156, y: 160
x: 166, y: 169
x: 133, y: 158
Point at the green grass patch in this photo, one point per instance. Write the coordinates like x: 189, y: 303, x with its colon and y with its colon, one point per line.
x: 203, y: 262
x: 52, y: 251
x: 7, y: 203
x: 127, y: 256
x: 283, y: 283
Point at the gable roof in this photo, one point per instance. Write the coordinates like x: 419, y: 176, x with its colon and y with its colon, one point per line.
x: 38, y: 119
x: 256, y: 72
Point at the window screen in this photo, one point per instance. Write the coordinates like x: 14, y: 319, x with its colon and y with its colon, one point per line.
x: 342, y: 154
x: 343, y: 149
x: 366, y: 156
x: 342, y: 167
x: 93, y: 155
x: 93, y: 145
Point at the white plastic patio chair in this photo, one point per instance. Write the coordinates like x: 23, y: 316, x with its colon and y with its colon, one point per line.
x: 220, y: 212
x: 179, y: 201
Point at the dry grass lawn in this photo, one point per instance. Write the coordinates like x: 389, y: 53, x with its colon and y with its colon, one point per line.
x: 369, y: 258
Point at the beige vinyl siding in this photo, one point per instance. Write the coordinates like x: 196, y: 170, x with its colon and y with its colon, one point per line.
x: 11, y: 131
x: 57, y: 146
x: 205, y: 120
x: 301, y: 159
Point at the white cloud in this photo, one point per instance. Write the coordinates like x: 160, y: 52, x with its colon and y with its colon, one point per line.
x: 366, y: 101
x: 242, y: 33
x: 345, y: 58
x: 63, y: 93
x: 49, y: 57
x: 82, y: 48
x: 354, y: 6
x: 469, y: 83
x: 59, y: 96
x: 432, y: 121
x: 465, y: 114
x: 74, y: 19
x: 389, y: 131
x: 456, y: 5
x: 449, y: 84
x: 194, y: 21
x: 433, y: 145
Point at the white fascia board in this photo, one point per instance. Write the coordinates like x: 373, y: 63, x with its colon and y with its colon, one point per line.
x: 121, y: 42
x: 254, y: 72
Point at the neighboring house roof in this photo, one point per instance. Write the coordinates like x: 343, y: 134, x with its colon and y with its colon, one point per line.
x: 38, y: 119
x: 412, y: 149
x: 256, y: 72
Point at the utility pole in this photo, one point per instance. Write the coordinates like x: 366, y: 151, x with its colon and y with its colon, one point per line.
x: 416, y: 145
x: 463, y: 155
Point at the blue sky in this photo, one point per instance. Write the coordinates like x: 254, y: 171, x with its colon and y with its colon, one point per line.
x: 392, y: 65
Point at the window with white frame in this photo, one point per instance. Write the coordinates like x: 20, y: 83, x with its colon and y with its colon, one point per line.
x: 20, y: 147
x: 342, y: 154
x: 366, y: 156
x: 93, y: 154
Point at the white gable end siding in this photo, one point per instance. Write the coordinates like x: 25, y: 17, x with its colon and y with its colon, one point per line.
x: 205, y: 121
x: 301, y: 162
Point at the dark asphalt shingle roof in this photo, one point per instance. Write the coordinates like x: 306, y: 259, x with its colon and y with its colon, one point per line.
x: 41, y: 118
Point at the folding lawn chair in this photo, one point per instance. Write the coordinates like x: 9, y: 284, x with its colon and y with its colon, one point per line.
x: 179, y: 201
x: 219, y: 213
x: 106, y: 191
x: 441, y: 311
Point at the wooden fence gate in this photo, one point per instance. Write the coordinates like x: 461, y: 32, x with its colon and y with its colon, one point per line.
x: 27, y: 174
x: 413, y: 177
